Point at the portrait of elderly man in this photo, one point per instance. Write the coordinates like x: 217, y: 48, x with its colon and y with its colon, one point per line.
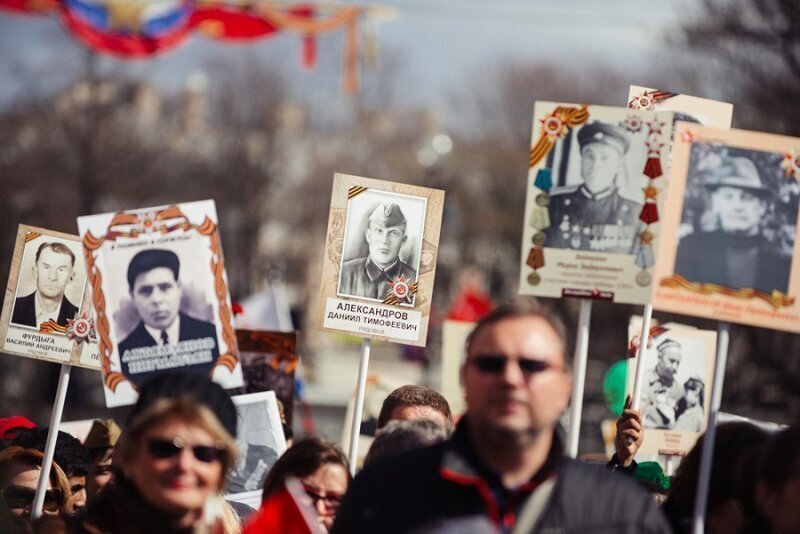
x: 736, y: 254
x: 53, y: 271
x: 371, y: 276
x: 160, y: 340
x: 597, y: 215
x: 661, y: 391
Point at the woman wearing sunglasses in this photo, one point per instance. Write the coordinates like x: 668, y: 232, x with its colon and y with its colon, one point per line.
x: 171, y: 464
x: 320, y: 467
x: 19, y: 475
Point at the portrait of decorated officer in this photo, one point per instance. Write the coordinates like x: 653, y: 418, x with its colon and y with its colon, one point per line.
x: 599, y: 214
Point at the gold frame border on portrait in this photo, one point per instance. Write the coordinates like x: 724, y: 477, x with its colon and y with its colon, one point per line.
x: 334, y: 244
x: 749, y: 310
x: 11, y: 288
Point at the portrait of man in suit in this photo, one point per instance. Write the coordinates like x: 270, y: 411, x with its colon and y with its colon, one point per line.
x: 53, y: 271
x: 165, y: 337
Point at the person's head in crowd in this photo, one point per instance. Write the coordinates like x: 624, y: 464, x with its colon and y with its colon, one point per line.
x: 778, y: 485
x: 69, y: 454
x: 415, y: 402
x: 515, y: 376
x: 386, y: 234
x: 398, y: 436
x: 54, y: 268
x: 321, y: 468
x: 603, y: 147
x: 738, y: 197
x: 154, y: 287
x: 731, y: 493
x: 171, y: 460
x: 100, y: 442
x: 19, y: 476
x: 10, y: 426
x: 670, y: 354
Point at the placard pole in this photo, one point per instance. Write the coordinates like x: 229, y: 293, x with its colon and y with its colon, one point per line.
x: 579, y: 376
x: 358, y: 406
x: 644, y: 338
x: 50, y: 444
x: 706, y: 460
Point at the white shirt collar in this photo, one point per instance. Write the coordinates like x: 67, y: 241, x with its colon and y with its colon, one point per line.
x: 173, y: 332
x: 43, y: 316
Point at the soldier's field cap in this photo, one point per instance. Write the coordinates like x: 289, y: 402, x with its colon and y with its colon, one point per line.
x: 104, y: 433
x: 738, y: 172
x: 387, y: 215
x: 603, y: 132
x: 667, y: 344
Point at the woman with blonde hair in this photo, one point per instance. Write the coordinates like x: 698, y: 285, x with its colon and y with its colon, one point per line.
x: 171, y: 462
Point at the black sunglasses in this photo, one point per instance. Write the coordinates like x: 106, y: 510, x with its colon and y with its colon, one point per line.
x: 495, y: 364
x: 167, y: 448
x: 331, y: 500
x: 20, y: 497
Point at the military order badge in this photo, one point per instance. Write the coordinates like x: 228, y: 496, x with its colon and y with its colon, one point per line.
x: 593, y: 201
x: 161, y: 296
x: 733, y: 214
x: 47, y: 313
x: 683, y: 107
x: 380, y: 259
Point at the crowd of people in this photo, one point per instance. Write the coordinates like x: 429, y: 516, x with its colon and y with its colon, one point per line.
x: 500, y: 467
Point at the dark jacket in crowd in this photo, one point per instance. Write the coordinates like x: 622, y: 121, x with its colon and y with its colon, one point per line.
x: 447, y: 489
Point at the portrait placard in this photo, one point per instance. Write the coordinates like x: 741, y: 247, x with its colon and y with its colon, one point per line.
x: 161, y: 296
x: 269, y: 362
x: 380, y: 259
x: 259, y: 439
x: 683, y: 107
x: 729, y: 247
x: 47, y: 312
x: 593, y: 201
x: 678, y: 372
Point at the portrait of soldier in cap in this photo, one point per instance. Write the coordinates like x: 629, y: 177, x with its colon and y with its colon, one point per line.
x: 374, y: 275
x: 662, y: 391
x: 599, y: 214
x: 735, y: 253
x: 164, y: 337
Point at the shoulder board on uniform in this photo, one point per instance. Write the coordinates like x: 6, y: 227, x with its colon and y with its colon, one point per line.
x: 563, y: 190
x: 632, y: 196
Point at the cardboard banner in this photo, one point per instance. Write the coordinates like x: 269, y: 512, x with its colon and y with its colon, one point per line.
x: 593, y: 202
x: 260, y: 441
x: 683, y: 107
x: 269, y: 362
x: 380, y: 259
x: 47, y: 312
x: 161, y: 296
x: 678, y: 372
x: 733, y: 213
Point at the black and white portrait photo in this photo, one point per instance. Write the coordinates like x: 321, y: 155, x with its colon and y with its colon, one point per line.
x: 738, y: 223
x: 259, y: 439
x: 164, y: 319
x: 673, y: 391
x: 598, y: 186
x: 382, y: 245
x: 51, y: 283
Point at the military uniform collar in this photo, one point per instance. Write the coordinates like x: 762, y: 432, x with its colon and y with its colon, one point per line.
x: 374, y: 272
x: 607, y: 192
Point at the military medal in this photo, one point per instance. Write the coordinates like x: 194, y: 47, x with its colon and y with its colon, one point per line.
x: 539, y: 239
x: 534, y: 279
x: 81, y: 329
x: 644, y: 278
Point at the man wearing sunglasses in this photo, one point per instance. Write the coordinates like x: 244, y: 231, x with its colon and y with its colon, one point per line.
x: 503, y: 468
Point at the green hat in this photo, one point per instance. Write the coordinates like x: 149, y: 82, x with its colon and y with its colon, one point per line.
x: 388, y: 215
x: 651, y: 472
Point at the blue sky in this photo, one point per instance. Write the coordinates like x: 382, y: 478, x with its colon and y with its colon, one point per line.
x: 439, y: 42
